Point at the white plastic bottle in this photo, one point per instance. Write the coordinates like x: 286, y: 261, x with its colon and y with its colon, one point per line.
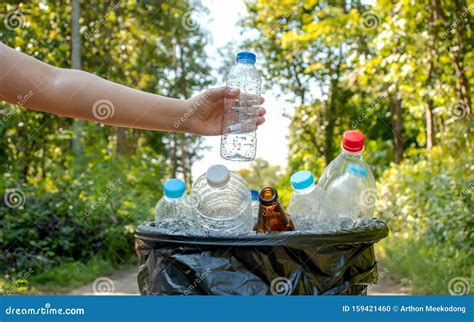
x: 348, y: 184
x: 171, y: 210
x: 223, y: 201
x: 305, y: 201
x: 239, y: 142
x: 255, y: 203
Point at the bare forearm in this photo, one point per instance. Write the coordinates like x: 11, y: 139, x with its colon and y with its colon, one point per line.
x: 78, y: 94
x: 90, y: 97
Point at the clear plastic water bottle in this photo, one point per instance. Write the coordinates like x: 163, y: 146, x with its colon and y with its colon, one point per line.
x: 223, y: 201
x: 171, y: 211
x: 255, y: 203
x: 239, y: 142
x: 305, y: 202
x: 348, y: 184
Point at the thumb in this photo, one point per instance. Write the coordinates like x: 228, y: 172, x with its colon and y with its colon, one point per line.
x: 216, y: 94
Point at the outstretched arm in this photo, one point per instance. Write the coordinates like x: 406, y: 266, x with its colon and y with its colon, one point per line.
x: 78, y: 94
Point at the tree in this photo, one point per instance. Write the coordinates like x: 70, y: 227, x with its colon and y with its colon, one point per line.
x: 261, y: 174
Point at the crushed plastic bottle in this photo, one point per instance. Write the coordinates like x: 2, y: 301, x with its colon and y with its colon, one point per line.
x: 223, y: 201
x: 348, y: 184
x: 305, y: 202
x: 239, y: 142
x: 171, y: 211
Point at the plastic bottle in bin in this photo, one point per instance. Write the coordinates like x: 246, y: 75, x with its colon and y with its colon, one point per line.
x: 348, y: 184
x: 171, y: 211
x: 255, y: 203
x: 223, y: 201
x: 239, y: 142
x: 305, y: 201
x: 272, y: 217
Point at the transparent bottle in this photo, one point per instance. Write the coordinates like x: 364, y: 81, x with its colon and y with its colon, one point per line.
x: 255, y: 203
x: 272, y: 217
x: 223, y: 201
x: 239, y: 142
x: 305, y: 202
x: 348, y: 185
x: 171, y: 210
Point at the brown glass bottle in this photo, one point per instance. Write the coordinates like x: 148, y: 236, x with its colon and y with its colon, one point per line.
x: 271, y: 214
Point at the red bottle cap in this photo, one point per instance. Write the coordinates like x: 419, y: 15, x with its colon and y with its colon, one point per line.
x: 353, y: 141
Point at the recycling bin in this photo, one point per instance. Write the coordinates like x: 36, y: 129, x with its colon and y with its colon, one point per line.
x: 173, y: 262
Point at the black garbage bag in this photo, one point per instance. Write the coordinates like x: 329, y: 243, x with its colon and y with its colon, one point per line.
x: 291, y: 263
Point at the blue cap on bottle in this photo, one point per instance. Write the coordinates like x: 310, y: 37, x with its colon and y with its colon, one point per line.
x: 246, y: 57
x: 356, y: 170
x: 302, y: 179
x: 174, y: 188
x: 254, y: 194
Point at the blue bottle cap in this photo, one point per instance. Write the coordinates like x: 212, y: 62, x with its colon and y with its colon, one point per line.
x: 302, y: 179
x: 254, y: 194
x: 356, y: 170
x: 246, y: 57
x: 174, y: 188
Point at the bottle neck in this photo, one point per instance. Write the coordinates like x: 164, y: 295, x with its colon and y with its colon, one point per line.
x: 169, y: 199
x: 352, y: 155
x: 306, y: 190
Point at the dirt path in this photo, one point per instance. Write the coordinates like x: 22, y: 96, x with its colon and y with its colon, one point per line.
x: 387, y: 286
x: 118, y: 283
x: 125, y: 283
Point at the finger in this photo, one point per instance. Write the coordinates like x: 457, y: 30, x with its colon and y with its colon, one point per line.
x: 261, y: 100
x: 216, y: 94
x: 262, y: 111
x: 260, y: 120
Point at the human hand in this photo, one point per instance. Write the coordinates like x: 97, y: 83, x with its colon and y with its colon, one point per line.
x: 205, y: 112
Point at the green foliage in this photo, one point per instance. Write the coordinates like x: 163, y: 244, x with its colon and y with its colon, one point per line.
x: 428, y: 204
x: 401, y: 72
x: 67, y: 218
x: 261, y: 174
x: 425, y: 269
x: 82, y: 205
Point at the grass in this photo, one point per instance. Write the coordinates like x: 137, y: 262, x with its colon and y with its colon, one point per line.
x: 424, y: 269
x: 63, y: 278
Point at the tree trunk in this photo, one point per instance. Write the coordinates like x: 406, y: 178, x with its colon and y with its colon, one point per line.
x: 173, y: 154
x: 458, y: 55
x: 397, y: 127
x: 76, y: 58
x: 430, y: 129
x: 330, y: 117
x: 121, y: 134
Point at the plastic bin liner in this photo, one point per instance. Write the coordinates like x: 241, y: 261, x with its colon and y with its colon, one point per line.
x: 175, y: 262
